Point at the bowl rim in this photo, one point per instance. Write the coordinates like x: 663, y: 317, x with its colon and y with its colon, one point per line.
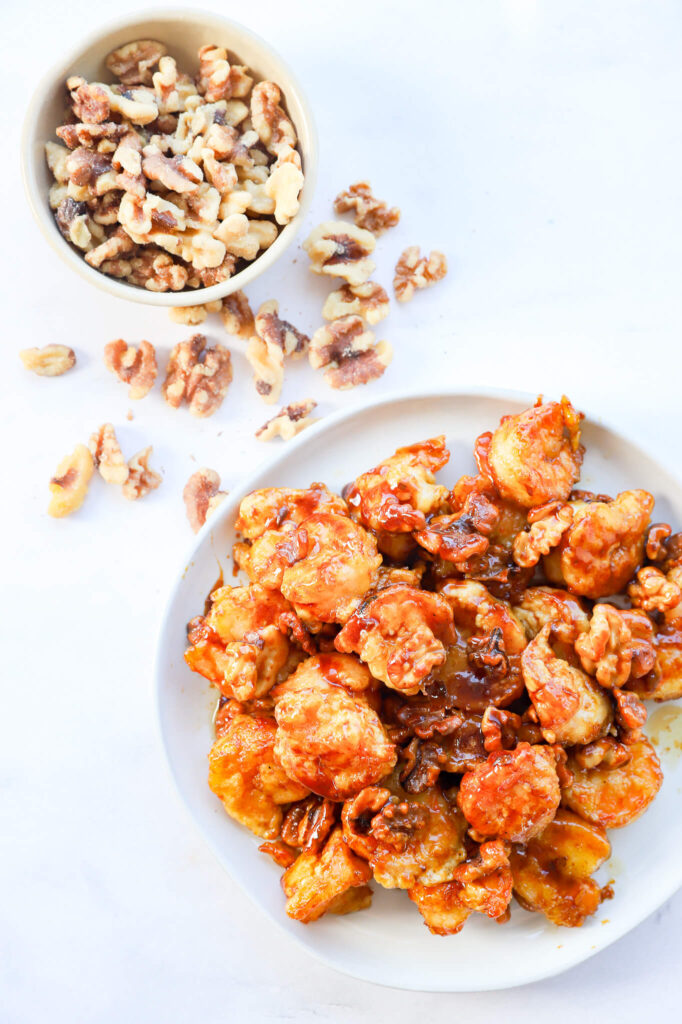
x: 629, y: 918
x: 135, y: 293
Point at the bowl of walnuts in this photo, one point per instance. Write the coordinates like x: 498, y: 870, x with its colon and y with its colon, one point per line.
x: 170, y: 158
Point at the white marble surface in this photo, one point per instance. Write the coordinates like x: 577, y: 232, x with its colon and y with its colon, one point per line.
x: 539, y: 145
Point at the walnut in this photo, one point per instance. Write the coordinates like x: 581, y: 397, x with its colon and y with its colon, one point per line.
x: 56, y: 157
x: 607, y: 649
x: 116, y: 245
x: 275, y: 331
x: 70, y: 483
x: 198, y: 375
x: 288, y: 422
x: 267, y: 360
x: 49, y: 361
x: 193, y: 315
x: 656, y: 549
x: 341, y: 250
x: 90, y: 103
x: 89, y: 135
x: 209, y: 276
x: 237, y: 315
x: 73, y: 220
x: 284, y: 187
x: 141, y: 479
x: 107, y: 455
x: 413, y: 271
x: 307, y: 824
x: 133, y: 366
x: 370, y: 213
x: 341, y: 339
x: 274, y: 128
x: 157, y: 271
x: 217, y: 79
x: 548, y: 525
x: 653, y: 592
x: 202, y: 495
x: 176, y: 173
x: 368, y: 300
x: 132, y: 63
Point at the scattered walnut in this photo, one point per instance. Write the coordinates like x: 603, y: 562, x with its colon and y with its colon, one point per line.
x: 107, y: 455
x: 274, y: 331
x: 70, y: 483
x: 49, y: 361
x: 341, y: 250
x: 339, y: 340
x: 413, y: 271
x: 368, y: 300
x: 193, y: 315
x: 198, y: 375
x: 133, y: 366
x: 288, y: 422
x: 653, y: 592
x: 359, y: 369
x: 237, y: 315
x: 267, y: 360
x: 549, y: 524
x: 132, y: 63
x: 370, y: 213
x: 141, y: 479
x: 202, y: 495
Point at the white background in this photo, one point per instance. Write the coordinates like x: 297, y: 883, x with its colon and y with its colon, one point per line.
x: 537, y: 144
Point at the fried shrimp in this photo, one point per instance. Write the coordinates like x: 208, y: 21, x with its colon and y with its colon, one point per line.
x: 613, y: 796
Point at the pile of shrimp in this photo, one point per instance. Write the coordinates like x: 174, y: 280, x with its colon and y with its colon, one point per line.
x: 441, y: 689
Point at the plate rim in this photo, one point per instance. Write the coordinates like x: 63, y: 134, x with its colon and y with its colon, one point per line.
x: 628, y: 921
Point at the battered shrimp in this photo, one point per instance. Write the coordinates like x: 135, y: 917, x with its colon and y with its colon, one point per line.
x: 513, y: 795
x: 247, y: 775
x: 398, y: 494
x: 474, y: 608
x: 329, y: 738
x: 319, y: 878
x: 570, y: 706
x: 664, y: 682
x: 615, y: 796
x: 541, y: 605
x: 602, y: 548
x: 535, y: 457
x: 269, y: 508
x: 399, y: 633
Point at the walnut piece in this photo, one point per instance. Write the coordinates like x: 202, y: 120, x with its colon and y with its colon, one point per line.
x: 198, y: 375
x: 141, y: 479
x: 267, y: 360
x: 370, y: 213
x: 49, y: 361
x: 288, y: 422
x: 274, y: 331
x: 132, y: 63
x: 202, y: 495
x: 190, y: 316
x: 107, y: 455
x: 237, y: 315
x: 413, y: 271
x: 341, y: 339
x: 368, y: 300
x: 341, y: 250
x: 134, y: 366
x: 70, y: 483
x: 360, y: 369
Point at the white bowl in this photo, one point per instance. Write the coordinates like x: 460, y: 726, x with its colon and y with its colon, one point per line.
x: 388, y: 943
x: 183, y: 31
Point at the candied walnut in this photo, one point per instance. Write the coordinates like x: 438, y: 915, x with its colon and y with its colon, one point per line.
x: 513, y: 795
x: 201, y: 496
x: 630, y: 714
x: 48, y: 361
x: 614, y: 796
x: 132, y: 64
x: 107, y: 455
x: 368, y: 300
x: 602, y: 548
x: 69, y: 485
x: 237, y: 316
x: 134, y: 366
x: 570, y: 706
x: 398, y: 494
x: 664, y: 682
x: 544, y: 534
x: 369, y: 212
x: 607, y: 751
x: 475, y: 609
x: 340, y: 340
x: 653, y: 592
x: 328, y: 736
x: 399, y: 634
x: 566, y: 613
x: 317, y: 879
x: 406, y: 838
x: 308, y: 823
x: 267, y: 360
x: 289, y: 421
x: 274, y: 128
x: 273, y: 506
x: 245, y: 773
x: 607, y: 649
x: 482, y: 884
x: 341, y: 250
x: 198, y: 375
x: 413, y: 271
x: 552, y: 873
x: 535, y: 456
x: 193, y: 315
x: 141, y: 478
x: 275, y: 331
x: 462, y: 536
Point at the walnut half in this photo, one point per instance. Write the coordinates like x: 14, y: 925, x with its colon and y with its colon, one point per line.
x: 370, y: 213
x: 141, y: 479
x: 49, y: 361
x: 107, y: 455
x: 202, y: 495
x: 413, y: 271
x: 70, y: 483
x: 133, y: 366
x: 341, y: 250
x: 198, y: 375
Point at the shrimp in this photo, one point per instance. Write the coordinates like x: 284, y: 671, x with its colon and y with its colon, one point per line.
x: 571, y: 707
x: 540, y: 605
x: 614, y: 796
x: 318, y: 880
x: 269, y: 508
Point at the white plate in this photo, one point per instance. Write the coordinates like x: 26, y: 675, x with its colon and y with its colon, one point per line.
x: 388, y: 943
